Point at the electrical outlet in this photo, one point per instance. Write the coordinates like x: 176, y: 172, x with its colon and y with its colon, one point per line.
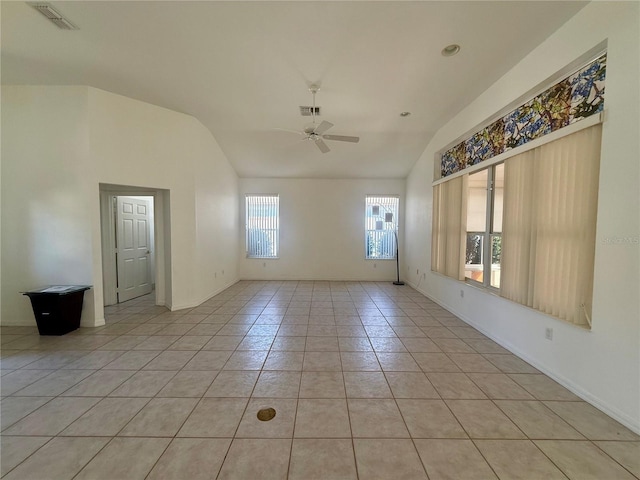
x: 417, y: 272
x: 461, y: 293
x: 215, y: 274
x: 222, y: 272
x: 548, y: 333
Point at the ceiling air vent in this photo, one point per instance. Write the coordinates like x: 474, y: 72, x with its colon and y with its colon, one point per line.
x: 48, y: 11
x: 307, y: 111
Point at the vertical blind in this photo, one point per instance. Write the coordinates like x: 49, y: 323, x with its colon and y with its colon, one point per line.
x: 262, y: 225
x: 449, y: 227
x: 549, y: 224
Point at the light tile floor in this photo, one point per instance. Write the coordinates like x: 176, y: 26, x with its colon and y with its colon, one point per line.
x: 368, y: 380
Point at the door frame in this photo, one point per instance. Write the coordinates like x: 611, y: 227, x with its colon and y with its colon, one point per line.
x: 161, y: 247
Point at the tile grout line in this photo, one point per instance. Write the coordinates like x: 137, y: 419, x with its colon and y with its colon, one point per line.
x: 308, y: 298
x: 353, y: 443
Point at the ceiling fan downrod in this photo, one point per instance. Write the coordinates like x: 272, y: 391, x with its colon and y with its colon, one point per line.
x: 313, y: 88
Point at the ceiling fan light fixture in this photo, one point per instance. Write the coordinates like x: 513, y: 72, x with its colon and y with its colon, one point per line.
x: 450, y: 50
x: 314, y: 132
x: 405, y: 114
x: 308, y: 111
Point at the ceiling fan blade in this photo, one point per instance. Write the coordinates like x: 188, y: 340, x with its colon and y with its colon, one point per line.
x: 342, y: 138
x: 323, y: 127
x: 288, y: 130
x: 322, y: 146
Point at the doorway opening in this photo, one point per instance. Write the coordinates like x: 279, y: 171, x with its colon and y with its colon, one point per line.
x: 135, y: 255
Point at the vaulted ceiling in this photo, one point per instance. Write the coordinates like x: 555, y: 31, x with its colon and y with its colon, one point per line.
x: 244, y: 68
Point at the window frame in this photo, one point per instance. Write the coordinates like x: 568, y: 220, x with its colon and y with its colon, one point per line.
x: 394, y: 229
x: 276, y: 229
x: 489, y: 232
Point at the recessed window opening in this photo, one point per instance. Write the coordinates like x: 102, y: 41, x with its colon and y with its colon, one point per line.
x: 262, y: 225
x: 526, y: 227
x: 381, y: 226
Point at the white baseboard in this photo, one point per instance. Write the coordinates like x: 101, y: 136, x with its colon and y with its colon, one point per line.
x: 196, y: 303
x: 98, y: 322
x: 588, y: 397
x: 18, y: 322
x: 341, y: 278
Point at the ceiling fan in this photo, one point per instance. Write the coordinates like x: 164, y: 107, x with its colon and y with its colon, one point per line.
x: 315, y: 131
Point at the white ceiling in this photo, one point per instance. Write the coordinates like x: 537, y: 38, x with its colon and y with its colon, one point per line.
x: 244, y: 68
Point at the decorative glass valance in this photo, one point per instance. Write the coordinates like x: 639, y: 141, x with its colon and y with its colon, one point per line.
x: 578, y: 96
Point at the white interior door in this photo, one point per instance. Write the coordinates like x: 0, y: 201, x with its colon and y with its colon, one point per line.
x: 133, y: 248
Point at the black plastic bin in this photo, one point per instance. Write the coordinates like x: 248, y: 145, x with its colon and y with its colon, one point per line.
x: 57, y: 308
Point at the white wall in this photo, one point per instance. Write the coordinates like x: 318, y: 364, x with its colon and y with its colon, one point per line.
x: 321, y: 230
x: 217, y: 221
x: 134, y: 143
x: 46, y: 225
x: 58, y: 145
x: 601, y: 365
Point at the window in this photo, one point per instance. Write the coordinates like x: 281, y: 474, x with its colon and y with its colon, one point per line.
x: 263, y: 226
x: 485, y: 191
x: 530, y: 226
x: 381, y: 226
x: 526, y: 228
